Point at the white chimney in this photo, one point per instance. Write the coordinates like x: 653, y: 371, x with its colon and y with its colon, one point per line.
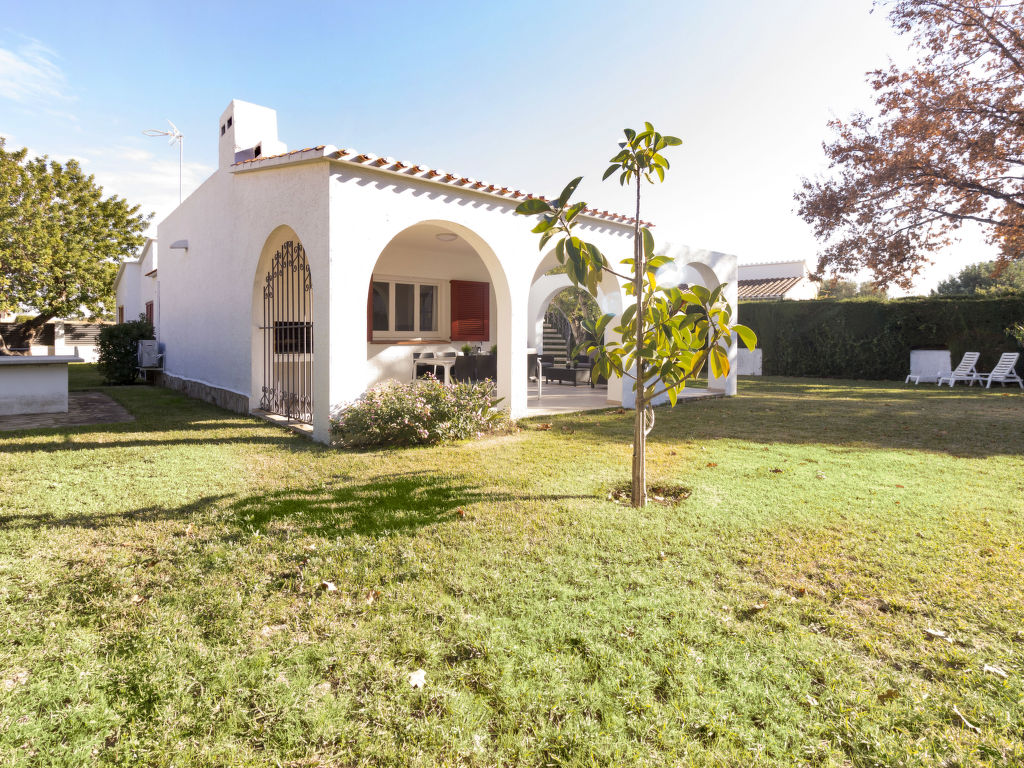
x: 247, y: 131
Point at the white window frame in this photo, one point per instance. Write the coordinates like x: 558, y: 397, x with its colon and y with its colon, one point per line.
x: 391, y: 334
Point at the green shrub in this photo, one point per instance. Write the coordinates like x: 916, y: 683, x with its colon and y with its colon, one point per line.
x: 119, y: 346
x: 424, y: 412
x: 871, y: 339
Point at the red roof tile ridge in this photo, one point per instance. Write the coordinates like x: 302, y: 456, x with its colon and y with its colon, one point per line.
x: 283, y: 154
x: 349, y: 155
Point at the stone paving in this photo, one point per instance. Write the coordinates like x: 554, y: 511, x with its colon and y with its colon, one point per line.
x: 564, y: 398
x: 84, y: 408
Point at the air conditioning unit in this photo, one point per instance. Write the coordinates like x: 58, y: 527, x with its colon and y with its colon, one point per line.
x: 149, y: 354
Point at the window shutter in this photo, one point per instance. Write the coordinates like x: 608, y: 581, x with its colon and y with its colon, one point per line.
x: 369, y: 311
x: 471, y: 311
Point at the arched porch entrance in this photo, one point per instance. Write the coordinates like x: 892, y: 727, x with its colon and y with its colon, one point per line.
x: 438, y: 293
x: 283, y: 330
x: 548, y: 282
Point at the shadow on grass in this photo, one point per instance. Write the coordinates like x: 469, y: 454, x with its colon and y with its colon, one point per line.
x: 162, y: 418
x: 391, y: 503
x: 964, y: 422
x: 401, y: 502
x: 193, y: 434
x: 32, y: 521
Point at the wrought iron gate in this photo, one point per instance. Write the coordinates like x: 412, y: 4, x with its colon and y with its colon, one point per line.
x: 288, y: 336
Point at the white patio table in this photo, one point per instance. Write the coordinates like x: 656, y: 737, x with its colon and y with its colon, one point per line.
x: 444, y: 362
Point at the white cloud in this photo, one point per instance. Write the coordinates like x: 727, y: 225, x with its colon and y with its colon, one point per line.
x: 29, y: 75
x: 149, y: 178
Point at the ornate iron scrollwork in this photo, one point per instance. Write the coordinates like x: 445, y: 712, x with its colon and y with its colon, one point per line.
x: 288, y: 335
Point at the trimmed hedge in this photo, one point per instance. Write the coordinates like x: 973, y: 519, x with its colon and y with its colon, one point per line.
x: 872, y: 339
x: 119, y: 344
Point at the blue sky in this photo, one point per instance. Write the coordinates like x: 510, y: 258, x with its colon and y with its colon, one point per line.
x: 525, y: 94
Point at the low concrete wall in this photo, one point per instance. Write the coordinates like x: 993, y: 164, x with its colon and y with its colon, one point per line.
x: 748, y: 362
x: 34, y: 384
x: 222, y: 398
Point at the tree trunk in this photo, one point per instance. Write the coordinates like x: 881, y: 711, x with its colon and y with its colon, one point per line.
x: 28, y: 330
x: 639, y: 490
x: 5, y: 350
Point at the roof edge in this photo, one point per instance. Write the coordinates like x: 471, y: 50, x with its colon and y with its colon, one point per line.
x: 413, y: 171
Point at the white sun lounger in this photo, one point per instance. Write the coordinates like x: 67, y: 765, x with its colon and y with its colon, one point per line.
x: 965, y: 371
x: 1003, y: 373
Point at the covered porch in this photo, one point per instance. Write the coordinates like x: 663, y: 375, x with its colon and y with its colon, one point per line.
x: 551, y: 399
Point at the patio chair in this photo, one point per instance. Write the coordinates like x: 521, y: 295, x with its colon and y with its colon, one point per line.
x: 1004, y: 371
x: 964, y: 372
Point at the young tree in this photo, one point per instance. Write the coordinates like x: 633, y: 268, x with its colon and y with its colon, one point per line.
x: 984, y: 278
x: 946, y: 148
x: 60, y: 239
x: 668, y: 334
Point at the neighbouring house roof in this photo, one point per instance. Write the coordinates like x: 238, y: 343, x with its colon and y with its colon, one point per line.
x: 354, y: 157
x: 765, y: 288
x: 772, y: 263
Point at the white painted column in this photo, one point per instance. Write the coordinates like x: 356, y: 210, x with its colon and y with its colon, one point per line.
x: 342, y: 375
x: 512, y: 335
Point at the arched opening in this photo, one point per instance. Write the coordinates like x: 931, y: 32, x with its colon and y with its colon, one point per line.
x: 436, y: 303
x: 551, y: 330
x: 282, y: 348
x: 685, y: 271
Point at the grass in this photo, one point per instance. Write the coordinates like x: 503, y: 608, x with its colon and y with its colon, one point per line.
x: 160, y: 599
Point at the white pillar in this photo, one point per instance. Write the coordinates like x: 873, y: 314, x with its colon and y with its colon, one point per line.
x: 343, y: 373
x: 512, y: 373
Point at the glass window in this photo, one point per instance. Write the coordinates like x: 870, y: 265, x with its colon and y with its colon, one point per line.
x: 405, y: 307
x: 381, y: 305
x: 428, y: 308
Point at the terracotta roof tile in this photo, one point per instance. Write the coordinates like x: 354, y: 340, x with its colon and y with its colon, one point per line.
x: 765, y: 288
x: 396, y: 166
x: 283, y: 154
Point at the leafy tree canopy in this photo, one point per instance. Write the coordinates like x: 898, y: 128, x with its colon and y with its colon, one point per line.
x: 578, y: 307
x: 946, y: 148
x: 60, y: 240
x: 837, y: 288
x: 987, y: 277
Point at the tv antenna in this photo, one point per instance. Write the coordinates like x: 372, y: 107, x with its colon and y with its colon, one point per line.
x: 174, y: 136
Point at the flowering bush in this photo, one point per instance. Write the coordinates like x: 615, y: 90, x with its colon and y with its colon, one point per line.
x: 421, y: 413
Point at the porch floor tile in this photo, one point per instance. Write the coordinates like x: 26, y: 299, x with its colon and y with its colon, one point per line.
x: 562, y: 398
x: 84, y: 408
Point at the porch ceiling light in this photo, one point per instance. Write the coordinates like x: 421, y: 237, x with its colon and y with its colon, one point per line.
x: 446, y: 237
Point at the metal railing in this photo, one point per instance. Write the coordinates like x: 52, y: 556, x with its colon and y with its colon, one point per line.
x: 555, y: 318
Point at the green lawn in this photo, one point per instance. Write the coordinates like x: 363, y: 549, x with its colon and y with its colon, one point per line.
x: 160, y: 600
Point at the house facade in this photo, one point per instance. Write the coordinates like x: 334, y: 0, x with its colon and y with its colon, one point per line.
x: 776, y: 280
x: 290, y: 282
x: 137, y: 286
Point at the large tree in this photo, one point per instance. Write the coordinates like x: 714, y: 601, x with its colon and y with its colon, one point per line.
x: 985, y: 278
x: 60, y: 240
x: 837, y: 288
x: 945, y: 148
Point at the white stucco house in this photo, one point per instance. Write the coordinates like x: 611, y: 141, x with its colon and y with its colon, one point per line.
x: 776, y: 280
x: 137, y: 286
x: 291, y: 281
